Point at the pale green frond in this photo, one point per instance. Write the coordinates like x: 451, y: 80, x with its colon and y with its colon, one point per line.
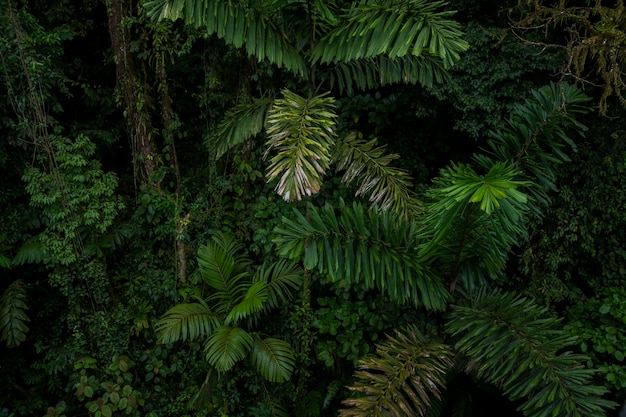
x: 394, y: 29
x: 366, y: 73
x: 253, y: 302
x: 370, y: 248
x: 302, y: 132
x: 273, y: 358
x: 188, y: 321
x: 367, y: 166
x: 248, y: 24
x: 13, y: 318
x: 515, y: 344
x: 32, y: 251
x: 240, y: 123
x: 226, y: 346
x: 407, y: 374
x: 283, y: 278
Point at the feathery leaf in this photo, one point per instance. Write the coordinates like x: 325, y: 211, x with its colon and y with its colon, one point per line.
x: 227, y: 346
x: 13, y: 317
x: 186, y: 322
x: 273, y: 358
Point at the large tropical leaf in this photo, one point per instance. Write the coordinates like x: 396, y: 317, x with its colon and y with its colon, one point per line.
x: 240, y: 123
x: 282, y: 278
x: 250, y: 24
x: 252, y: 302
x: 371, y: 28
x: 513, y: 343
x: 369, y: 248
x: 226, y: 346
x: 387, y: 187
x: 186, y: 322
x: 13, y: 318
x: 406, y: 375
x: 302, y: 132
x: 273, y: 358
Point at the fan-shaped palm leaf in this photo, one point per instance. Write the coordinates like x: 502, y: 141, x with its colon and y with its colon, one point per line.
x: 227, y: 346
x: 273, y: 358
x: 186, y: 322
x: 407, y: 373
x: 253, y: 302
x: 302, y: 131
x: 282, y: 278
x: 13, y: 318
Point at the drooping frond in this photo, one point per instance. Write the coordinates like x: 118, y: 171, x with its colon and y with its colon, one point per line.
x: 371, y: 28
x: 302, y: 132
x: 373, y: 72
x: 240, y: 123
x: 282, y: 278
x: 475, y: 219
x: 252, y: 302
x: 32, y: 251
x: 372, y: 248
x: 246, y: 23
x: 386, y: 187
x: 13, y: 316
x: 513, y: 343
x: 537, y: 133
x: 186, y: 322
x: 226, y: 346
x: 406, y: 375
x: 273, y: 358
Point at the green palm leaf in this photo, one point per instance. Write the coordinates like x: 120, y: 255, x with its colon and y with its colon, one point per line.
x: 302, y: 131
x: 273, y: 358
x: 186, y: 322
x: 253, y: 302
x: 406, y: 375
x: 369, y: 248
x: 221, y: 265
x: 251, y: 24
x: 13, y: 318
x: 387, y: 187
x: 227, y: 346
x: 512, y: 342
x: 240, y: 123
x: 282, y: 278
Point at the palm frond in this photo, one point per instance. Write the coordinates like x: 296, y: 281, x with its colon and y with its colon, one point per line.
x: 406, y: 375
x: 253, y: 302
x: 188, y: 321
x: 366, y: 73
x: 537, y: 133
x: 302, y: 131
x: 221, y: 263
x: 13, y: 318
x: 395, y: 29
x: 387, y: 187
x: 32, y: 251
x: 240, y: 123
x: 282, y: 278
x: 249, y: 24
x: 226, y: 346
x: 273, y: 358
x: 371, y: 248
x: 513, y: 343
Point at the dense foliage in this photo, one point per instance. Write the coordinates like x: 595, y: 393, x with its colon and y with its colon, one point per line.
x: 312, y: 208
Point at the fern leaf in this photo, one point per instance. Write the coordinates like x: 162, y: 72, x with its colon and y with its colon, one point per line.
x: 273, y: 358
x: 406, y: 375
x: 302, y: 131
x: 226, y: 346
x: 13, y: 318
x: 512, y: 342
x: 32, y: 251
x: 370, y: 248
x: 387, y: 187
x: 186, y: 322
x: 239, y: 124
